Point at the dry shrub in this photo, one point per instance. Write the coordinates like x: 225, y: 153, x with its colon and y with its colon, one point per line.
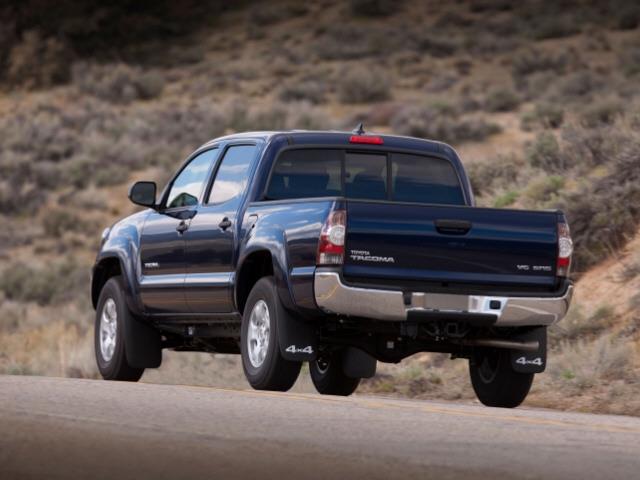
x: 545, y: 115
x: 436, y: 45
x: 627, y: 15
x: 373, y: 8
x: 501, y: 100
x: 483, y: 6
x: 361, y: 84
x: 604, y: 212
x: 579, y: 326
x: 533, y: 60
x: 553, y: 26
x: 629, y: 59
x: 601, y: 111
x: 269, y: 14
x: 291, y: 116
x: 544, y: 153
x: 37, y: 62
x: 543, y: 191
x: 59, y: 281
x: 309, y: 90
x: 440, y: 124
x: 118, y: 83
x: 58, y: 221
x: 498, y: 173
x: 630, y: 269
x: 578, y: 84
x: 585, y: 365
x: 340, y: 43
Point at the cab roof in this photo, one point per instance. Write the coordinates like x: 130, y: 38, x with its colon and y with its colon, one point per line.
x: 311, y: 137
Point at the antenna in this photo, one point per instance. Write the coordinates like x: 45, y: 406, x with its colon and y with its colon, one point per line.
x: 359, y: 130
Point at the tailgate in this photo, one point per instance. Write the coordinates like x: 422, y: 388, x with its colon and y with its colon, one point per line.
x: 409, y: 245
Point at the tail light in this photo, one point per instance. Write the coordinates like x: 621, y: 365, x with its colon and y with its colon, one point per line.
x: 565, y: 249
x: 331, y: 244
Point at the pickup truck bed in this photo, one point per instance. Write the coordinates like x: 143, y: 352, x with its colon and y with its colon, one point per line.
x: 337, y: 249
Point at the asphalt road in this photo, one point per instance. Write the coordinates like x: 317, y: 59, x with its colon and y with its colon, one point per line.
x: 62, y: 428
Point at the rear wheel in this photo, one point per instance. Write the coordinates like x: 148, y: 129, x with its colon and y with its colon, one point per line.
x: 328, y: 376
x: 111, y: 315
x: 495, y: 383
x: 263, y: 365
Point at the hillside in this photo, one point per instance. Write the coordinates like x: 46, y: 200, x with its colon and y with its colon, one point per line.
x: 541, y: 101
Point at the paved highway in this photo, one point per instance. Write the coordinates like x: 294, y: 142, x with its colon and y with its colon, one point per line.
x: 63, y: 428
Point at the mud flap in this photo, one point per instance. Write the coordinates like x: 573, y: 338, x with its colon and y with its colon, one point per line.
x: 358, y: 364
x: 142, y: 344
x: 298, y: 339
x: 530, y: 362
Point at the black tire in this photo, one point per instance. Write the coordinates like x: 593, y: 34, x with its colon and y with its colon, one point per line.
x: 328, y: 376
x: 116, y: 367
x: 496, y: 384
x: 271, y: 371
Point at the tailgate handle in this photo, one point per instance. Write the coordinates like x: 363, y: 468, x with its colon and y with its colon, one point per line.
x: 453, y: 227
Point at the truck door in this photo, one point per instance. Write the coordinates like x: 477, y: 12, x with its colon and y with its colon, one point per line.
x: 162, y: 245
x: 210, y: 240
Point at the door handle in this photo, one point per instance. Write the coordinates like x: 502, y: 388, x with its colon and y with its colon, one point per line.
x: 182, y: 227
x: 453, y: 227
x: 225, y: 223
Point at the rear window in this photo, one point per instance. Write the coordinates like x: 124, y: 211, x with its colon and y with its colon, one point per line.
x: 424, y: 180
x: 307, y: 173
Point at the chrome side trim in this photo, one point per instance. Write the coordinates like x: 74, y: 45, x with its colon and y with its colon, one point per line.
x: 333, y: 296
x: 209, y: 279
x: 191, y: 279
x: 164, y: 280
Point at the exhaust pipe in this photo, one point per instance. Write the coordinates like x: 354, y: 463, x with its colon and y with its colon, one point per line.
x: 532, y: 346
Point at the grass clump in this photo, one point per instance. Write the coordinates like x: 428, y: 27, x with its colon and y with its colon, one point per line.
x: 506, y: 199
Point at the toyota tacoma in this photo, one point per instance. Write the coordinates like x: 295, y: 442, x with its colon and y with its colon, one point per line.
x: 336, y: 249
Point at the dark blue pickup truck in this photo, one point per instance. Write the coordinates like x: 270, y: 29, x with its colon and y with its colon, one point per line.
x: 337, y: 249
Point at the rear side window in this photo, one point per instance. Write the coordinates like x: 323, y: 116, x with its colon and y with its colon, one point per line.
x: 306, y: 173
x: 424, y: 180
x: 232, y: 176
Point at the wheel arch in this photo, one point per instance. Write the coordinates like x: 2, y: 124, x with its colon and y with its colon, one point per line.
x: 257, y: 264
x: 108, y: 267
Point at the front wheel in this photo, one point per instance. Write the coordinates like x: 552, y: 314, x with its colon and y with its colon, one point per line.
x: 495, y: 382
x: 328, y: 376
x: 111, y: 315
x: 263, y: 364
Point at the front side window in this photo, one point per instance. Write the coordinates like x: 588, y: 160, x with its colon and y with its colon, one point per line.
x: 232, y: 176
x: 188, y: 186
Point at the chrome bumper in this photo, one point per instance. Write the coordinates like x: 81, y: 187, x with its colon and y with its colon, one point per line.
x: 333, y: 296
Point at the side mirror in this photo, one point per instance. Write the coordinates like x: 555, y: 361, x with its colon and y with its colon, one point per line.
x: 143, y: 193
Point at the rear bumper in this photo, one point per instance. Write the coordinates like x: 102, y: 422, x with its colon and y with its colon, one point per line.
x: 333, y: 296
